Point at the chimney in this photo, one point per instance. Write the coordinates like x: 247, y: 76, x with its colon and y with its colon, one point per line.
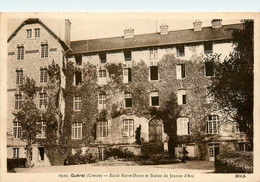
x: 197, y: 25
x: 67, y: 32
x: 216, y: 23
x: 164, y: 29
x: 128, y: 33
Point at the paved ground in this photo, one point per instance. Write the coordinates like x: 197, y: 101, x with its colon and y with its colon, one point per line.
x: 105, y: 168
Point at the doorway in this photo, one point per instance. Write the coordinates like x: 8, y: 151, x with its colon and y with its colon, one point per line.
x: 41, y: 153
x: 155, y: 131
x: 213, y: 151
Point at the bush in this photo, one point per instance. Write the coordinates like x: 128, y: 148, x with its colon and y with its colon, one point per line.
x: 235, y: 162
x: 15, y: 163
x: 119, y: 153
x: 78, y: 158
x: 157, y: 159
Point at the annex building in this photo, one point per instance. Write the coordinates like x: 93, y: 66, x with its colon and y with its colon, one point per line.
x: 108, y: 85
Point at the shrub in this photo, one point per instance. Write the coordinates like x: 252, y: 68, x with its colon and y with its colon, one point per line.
x: 78, y: 158
x: 15, y: 163
x: 235, y: 162
x: 119, y: 153
x: 157, y: 159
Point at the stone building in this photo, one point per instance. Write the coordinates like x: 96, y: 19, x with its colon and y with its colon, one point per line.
x: 110, y: 83
x: 31, y: 48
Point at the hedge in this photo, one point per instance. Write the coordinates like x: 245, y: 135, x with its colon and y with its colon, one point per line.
x: 235, y: 162
x: 15, y: 163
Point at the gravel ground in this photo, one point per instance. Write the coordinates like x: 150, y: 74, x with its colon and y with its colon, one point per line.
x: 126, y: 167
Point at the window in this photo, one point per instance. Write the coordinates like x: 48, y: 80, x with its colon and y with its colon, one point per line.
x: 102, y: 129
x: 17, y: 130
x: 101, y: 153
x: 29, y: 33
x: 243, y: 147
x: 18, y: 101
x: 37, y: 32
x: 209, y: 69
x: 20, y: 54
x: 42, y: 129
x: 212, y: 121
x: 77, y: 103
x: 154, y: 98
x: 76, y: 130
x: 127, y: 75
x: 43, y: 100
x: 180, y: 51
x: 103, y: 57
x: 19, y: 77
x: 180, y: 71
x: 154, y: 53
x: 128, y: 127
x: 43, y: 75
x: 44, y: 50
x: 208, y: 48
x: 15, y: 153
x: 128, y: 99
x: 154, y: 73
x: 182, y: 97
x: 183, y: 126
x: 209, y: 97
x: 128, y: 55
x: 102, y: 73
x: 102, y: 100
x: 78, y: 78
x: 78, y: 59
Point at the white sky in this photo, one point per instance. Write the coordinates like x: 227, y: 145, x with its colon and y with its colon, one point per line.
x: 100, y: 25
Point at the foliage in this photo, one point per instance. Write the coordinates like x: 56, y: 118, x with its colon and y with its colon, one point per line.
x: 29, y: 115
x: 232, y: 85
x: 15, y: 163
x: 119, y: 153
x: 79, y: 158
x: 235, y: 162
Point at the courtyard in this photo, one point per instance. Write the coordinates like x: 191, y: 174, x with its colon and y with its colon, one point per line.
x: 107, y: 168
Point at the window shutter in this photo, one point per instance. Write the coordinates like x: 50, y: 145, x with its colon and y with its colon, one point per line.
x: 178, y: 71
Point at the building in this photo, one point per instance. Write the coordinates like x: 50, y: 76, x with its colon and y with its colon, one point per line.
x: 31, y: 48
x: 110, y: 83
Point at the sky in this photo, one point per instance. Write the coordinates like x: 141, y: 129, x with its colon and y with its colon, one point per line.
x: 102, y: 25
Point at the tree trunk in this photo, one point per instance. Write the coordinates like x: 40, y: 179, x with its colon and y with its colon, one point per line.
x: 171, y: 147
x: 29, y: 154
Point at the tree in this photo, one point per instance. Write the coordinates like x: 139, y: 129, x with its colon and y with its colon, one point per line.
x: 168, y: 113
x: 232, y: 85
x: 29, y: 115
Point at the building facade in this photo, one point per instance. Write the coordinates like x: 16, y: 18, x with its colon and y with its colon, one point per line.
x: 111, y: 83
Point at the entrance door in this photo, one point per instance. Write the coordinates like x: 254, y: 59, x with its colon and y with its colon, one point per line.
x: 213, y: 151
x: 41, y: 153
x: 155, y: 131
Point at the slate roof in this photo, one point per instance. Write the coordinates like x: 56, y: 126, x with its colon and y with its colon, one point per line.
x: 154, y: 39
x: 36, y: 20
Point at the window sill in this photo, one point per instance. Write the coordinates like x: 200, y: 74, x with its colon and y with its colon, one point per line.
x: 76, y: 138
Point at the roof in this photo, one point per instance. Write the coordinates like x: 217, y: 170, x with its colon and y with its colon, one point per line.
x: 154, y: 39
x: 36, y: 20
